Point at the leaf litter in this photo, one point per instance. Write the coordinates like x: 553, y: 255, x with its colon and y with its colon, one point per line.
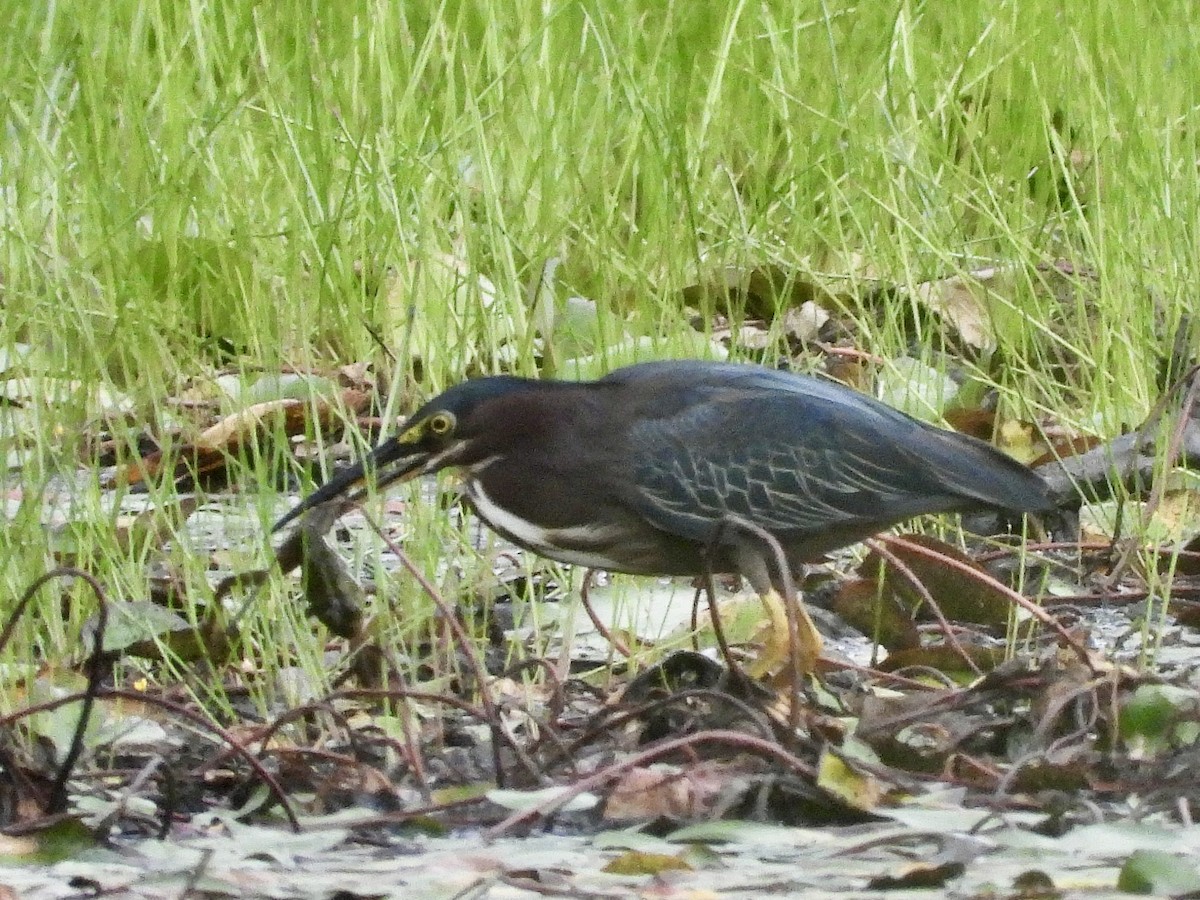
x: 962, y: 743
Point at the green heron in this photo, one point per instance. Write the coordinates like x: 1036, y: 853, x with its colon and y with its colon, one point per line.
x: 641, y: 470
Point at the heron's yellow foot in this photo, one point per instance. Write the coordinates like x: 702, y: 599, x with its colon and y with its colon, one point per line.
x: 777, y: 646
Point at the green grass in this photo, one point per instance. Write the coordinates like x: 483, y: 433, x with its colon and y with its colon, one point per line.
x: 186, y: 186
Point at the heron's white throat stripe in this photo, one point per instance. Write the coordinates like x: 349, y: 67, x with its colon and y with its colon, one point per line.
x: 533, y: 537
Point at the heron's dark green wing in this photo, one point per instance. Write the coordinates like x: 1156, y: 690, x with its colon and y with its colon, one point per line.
x: 794, y: 464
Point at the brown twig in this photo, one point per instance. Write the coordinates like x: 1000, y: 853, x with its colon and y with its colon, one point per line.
x: 615, y: 642
x: 1019, y: 599
x: 1174, y: 450
x: 467, y: 648
x: 614, y: 717
x: 926, y: 597
x: 731, y: 738
x: 181, y: 712
x: 57, y: 801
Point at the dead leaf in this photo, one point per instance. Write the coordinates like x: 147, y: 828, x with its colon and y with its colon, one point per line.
x: 803, y: 324
x: 918, y: 875
x: 962, y: 302
x: 212, y: 448
x: 859, y: 789
x: 153, y: 527
x: 876, y: 613
x: 665, y: 791
x: 755, y: 292
x: 946, y: 659
x: 635, y: 862
x: 961, y: 597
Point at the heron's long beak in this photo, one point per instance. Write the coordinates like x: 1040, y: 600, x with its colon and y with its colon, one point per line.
x: 391, y: 462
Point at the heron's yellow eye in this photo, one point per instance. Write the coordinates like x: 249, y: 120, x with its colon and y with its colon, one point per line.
x: 441, y: 424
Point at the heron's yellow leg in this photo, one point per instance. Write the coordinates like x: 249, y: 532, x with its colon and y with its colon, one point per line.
x: 777, y: 646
